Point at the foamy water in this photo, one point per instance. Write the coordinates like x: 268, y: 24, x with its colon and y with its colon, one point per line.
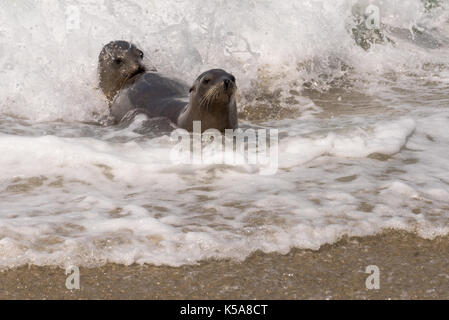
x: 363, y: 138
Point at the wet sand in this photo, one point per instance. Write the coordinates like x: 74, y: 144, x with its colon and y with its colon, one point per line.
x: 410, y: 268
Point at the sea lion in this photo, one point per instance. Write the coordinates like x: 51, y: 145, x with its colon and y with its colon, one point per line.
x: 130, y: 89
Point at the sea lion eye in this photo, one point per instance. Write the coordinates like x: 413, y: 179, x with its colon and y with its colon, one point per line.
x: 206, y: 81
x: 140, y: 54
x: 232, y: 78
x: 118, y: 61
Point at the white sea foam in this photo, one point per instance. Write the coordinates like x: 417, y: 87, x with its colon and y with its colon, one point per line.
x: 46, y: 61
x: 350, y: 164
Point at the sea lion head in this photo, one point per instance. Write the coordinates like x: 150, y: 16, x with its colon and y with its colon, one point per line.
x: 214, y: 88
x: 118, y: 62
x: 213, y: 95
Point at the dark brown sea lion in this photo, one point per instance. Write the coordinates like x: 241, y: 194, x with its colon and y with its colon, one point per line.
x: 131, y: 89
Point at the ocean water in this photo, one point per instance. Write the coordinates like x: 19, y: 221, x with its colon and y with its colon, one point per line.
x: 362, y: 114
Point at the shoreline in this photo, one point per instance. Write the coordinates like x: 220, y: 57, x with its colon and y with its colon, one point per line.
x: 410, y: 268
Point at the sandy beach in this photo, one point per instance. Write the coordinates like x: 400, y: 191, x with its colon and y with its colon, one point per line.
x: 410, y: 268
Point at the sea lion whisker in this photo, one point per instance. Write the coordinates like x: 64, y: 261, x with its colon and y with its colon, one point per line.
x: 212, y: 94
x: 206, y: 99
